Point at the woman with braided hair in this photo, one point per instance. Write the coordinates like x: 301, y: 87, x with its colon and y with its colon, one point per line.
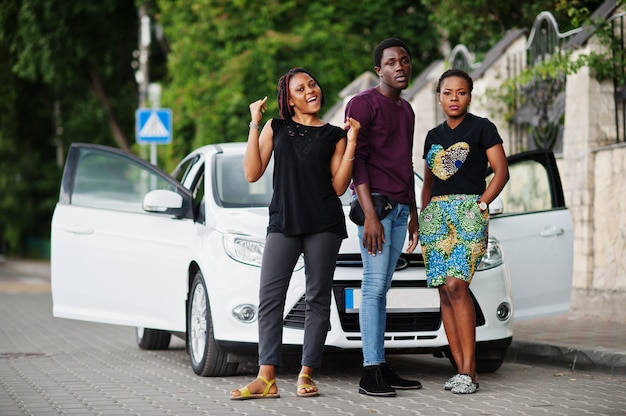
x: 312, y: 168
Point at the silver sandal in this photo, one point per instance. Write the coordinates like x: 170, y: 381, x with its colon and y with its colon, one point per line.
x: 465, y: 385
x: 452, y: 381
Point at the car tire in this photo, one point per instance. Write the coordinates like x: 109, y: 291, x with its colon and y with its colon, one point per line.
x: 487, y: 360
x: 152, y: 339
x: 207, y: 358
x: 490, y: 358
x: 489, y: 365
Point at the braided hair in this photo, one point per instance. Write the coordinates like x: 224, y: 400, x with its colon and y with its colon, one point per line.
x: 285, y: 110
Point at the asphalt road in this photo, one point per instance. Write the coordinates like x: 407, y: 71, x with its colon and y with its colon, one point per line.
x: 52, y: 366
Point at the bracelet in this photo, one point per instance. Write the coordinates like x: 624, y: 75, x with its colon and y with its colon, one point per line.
x: 253, y: 125
x: 348, y: 159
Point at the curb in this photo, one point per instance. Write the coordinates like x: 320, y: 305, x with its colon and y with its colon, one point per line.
x: 598, y: 359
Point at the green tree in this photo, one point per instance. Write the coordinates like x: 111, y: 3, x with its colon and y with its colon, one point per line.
x: 480, y: 24
x: 65, y: 77
x: 224, y: 54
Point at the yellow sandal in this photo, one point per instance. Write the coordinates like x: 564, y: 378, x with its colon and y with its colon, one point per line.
x: 245, y: 391
x: 306, y: 386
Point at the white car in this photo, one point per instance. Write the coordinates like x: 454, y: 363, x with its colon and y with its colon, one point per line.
x: 180, y: 254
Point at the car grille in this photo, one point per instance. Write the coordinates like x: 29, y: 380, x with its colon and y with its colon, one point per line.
x: 405, y: 260
x: 295, y: 317
x: 396, y: 322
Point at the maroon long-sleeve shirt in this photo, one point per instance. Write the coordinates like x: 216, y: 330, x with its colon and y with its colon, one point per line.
x: 383, y: 156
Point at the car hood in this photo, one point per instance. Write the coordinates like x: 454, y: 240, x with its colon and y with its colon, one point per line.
x: 253, y: 222
x: 247, y: 221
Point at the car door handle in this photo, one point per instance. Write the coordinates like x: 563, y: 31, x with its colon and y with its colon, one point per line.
x: 551, y: 231
x: 75, y: 229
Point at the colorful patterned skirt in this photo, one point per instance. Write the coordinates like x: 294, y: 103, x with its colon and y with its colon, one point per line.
x: 453, y: 236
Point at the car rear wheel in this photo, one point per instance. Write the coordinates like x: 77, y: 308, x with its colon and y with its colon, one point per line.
x: 207, y: 359
x: 152, y: 339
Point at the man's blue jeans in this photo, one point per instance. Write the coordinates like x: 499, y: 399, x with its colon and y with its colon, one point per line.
x: 377, y: 273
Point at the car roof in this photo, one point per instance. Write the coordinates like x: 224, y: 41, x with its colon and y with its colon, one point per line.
x: 230, y: 146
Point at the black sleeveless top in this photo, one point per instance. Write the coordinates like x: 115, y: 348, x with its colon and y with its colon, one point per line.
x: 304, y: 201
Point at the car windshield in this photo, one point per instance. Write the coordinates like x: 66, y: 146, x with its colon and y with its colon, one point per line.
x: 232, y: 190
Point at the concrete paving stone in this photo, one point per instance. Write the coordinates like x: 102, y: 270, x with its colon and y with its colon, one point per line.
x: 11, y: 410
x: 97, y: 369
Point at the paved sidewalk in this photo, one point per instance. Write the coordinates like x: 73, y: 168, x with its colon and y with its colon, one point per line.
x: 573, y: 341
x: 24, y: 275
x: 580, y: 342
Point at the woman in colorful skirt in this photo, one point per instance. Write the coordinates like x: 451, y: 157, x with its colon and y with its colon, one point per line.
x: 453, y: 223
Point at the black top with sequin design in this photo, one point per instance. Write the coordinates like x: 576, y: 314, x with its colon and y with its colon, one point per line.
x: 304, y: 201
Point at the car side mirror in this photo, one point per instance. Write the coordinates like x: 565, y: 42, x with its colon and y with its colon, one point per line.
x: 162, y: 200
x: 496, y: 206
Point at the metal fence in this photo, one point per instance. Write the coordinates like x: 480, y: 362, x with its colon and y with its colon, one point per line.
x: 618, y: 60
x: 540, y: 104
x: 537, y: 108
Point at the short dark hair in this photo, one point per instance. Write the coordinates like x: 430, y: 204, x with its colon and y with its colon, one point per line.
x: 285, y: 110
x: 456, y: 72
x: 386, y: 44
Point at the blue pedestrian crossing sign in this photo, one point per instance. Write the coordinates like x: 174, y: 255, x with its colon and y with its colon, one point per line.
x: 153, y: 125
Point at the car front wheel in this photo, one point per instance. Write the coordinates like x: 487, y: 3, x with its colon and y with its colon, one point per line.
x: 487, y: 360
x: 207, y: 359
x: 490, y: 361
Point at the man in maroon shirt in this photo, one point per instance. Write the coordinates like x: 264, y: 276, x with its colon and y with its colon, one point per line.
x: 383, y: 165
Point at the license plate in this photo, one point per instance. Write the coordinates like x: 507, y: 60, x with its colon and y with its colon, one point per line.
x: 405, y: 299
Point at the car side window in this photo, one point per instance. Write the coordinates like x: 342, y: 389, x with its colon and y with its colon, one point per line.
x: 109, y: 181
x: 182, y: 170
x: 528, y: 189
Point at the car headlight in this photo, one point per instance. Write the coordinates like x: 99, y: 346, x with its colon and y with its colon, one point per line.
x: 492, y: 257
x: 249, y: 250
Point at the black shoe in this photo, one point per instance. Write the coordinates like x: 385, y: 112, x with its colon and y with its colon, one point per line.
x: 373, y: 383
x: 396, y: 381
